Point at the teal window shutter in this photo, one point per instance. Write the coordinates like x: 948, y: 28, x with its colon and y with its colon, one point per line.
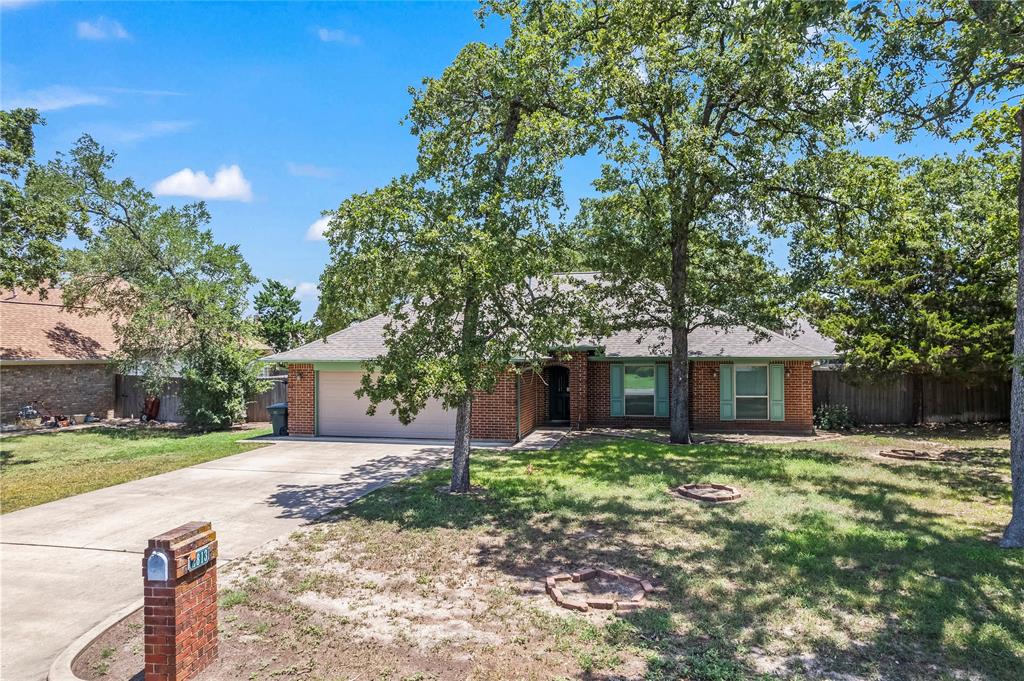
x: 777, y: 391
x: 618, y: 404
x: 661, y: 390
x: 725, y: 393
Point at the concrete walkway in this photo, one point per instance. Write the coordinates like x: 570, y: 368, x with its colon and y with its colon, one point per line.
x: 68, y: 564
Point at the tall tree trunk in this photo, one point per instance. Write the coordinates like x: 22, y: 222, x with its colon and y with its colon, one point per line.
x: 460, y: 454
x: 463, y: 413
x: 1013, y: 537
x: 679, y: 410
x: 471, y: 318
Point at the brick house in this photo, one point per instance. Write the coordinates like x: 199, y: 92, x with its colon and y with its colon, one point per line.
x: 54, y: 359
x: 738, y: 382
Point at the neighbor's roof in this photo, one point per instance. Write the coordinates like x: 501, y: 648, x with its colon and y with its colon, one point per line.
x: 36, y: 329
x: 365, y: 340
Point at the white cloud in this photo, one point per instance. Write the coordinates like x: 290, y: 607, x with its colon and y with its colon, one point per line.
x: 306, y: 290
x: 337, y: 35
x: 102, y: 29
x: 309, y: 170
x: 228, y: 184
x: 54, y: 98
x: 145, y: 131
x: 317, y: 229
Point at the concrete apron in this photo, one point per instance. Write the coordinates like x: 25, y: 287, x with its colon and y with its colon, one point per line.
x: 67, y: 565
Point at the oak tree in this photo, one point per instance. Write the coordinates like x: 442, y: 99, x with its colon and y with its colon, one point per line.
x: 175, y: 296
x: 704, y: 106
x: 461, y: 252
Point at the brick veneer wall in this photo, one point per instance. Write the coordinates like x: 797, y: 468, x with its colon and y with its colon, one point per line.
x: 531, y: 391
x: 494, y: 412
x: 704, y: 406
x: 58, y: 388
x: 704, y: 401
x: 301, y: 398
x: 600, y: 379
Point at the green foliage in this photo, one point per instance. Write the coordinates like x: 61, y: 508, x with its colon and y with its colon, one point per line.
x: 341, y: 305
x: 833, y: 417
x: 218, y: 378
x: 43, y: 467
x: 460, y: 253
x: 701, y: 108
x: 936, y: 59
x: 35, y: 207
x: 277, y: 316
x: 169, y: 288
x: 915, y: 272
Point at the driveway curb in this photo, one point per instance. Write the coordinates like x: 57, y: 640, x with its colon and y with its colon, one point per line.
x: 60, y: 670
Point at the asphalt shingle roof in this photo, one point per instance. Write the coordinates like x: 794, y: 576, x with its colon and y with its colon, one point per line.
x: 32, y: 328
x: 365, y: 340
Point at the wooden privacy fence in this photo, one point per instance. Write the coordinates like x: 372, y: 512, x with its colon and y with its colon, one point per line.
x: 892, y: 402
x: 129, y: 397
x: 256, y: 410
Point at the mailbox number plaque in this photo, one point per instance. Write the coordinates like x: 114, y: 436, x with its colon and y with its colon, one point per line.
x: 199, y: 558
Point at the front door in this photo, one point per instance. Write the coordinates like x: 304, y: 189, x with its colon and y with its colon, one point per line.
x: 558, y: 399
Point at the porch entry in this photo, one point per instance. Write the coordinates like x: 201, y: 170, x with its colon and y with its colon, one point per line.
x: 558, y: 394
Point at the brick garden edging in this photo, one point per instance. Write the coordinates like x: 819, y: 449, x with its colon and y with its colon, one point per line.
x: 913, y: 455
x: 708, y: 492
x: 583, y: 604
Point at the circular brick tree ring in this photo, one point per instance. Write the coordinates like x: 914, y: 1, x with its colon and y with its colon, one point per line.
x: 582, y: 602
x: 911, y: 455
x: 708, y: 492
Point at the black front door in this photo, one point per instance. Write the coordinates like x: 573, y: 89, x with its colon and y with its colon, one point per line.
x: 558, y: 399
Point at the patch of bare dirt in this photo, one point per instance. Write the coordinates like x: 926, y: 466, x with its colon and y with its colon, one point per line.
x: 359, y: 601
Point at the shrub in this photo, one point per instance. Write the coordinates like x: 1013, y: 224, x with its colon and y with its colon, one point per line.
x: 217, y: 380
x: 833, y: 417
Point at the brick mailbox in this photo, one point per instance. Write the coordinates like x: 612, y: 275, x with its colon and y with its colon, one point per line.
x: 179, y: 572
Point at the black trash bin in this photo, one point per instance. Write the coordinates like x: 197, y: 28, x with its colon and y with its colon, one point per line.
x: 278, y: 418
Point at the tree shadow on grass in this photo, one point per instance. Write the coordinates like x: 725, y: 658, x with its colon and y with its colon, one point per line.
x: 929, y: 432
x: 9, y: 458
x: 886, y: 581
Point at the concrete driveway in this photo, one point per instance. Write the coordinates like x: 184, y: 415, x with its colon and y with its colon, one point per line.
x: 67, y: 565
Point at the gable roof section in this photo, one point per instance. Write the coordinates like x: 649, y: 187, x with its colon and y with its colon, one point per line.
x: 361, y: 341
x: 33, y: 329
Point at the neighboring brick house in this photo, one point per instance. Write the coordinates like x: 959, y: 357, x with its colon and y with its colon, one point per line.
x: 739, y: 381
x: 52, y: 358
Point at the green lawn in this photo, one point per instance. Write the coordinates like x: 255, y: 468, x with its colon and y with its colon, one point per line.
x: 42, y: 467
x: 838, y: 562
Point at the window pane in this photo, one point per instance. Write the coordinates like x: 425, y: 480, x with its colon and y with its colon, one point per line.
x: 640, y: 378
x: 751, y: 407
x: 751, y: 380
x: 639, y: 405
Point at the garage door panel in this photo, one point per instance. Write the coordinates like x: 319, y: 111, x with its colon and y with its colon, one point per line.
x: 341, y: 414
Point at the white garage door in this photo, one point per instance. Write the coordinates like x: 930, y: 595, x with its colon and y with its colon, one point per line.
x: 341, y: 414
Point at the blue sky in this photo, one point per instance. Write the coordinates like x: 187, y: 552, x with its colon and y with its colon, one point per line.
x: 273, y: 111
